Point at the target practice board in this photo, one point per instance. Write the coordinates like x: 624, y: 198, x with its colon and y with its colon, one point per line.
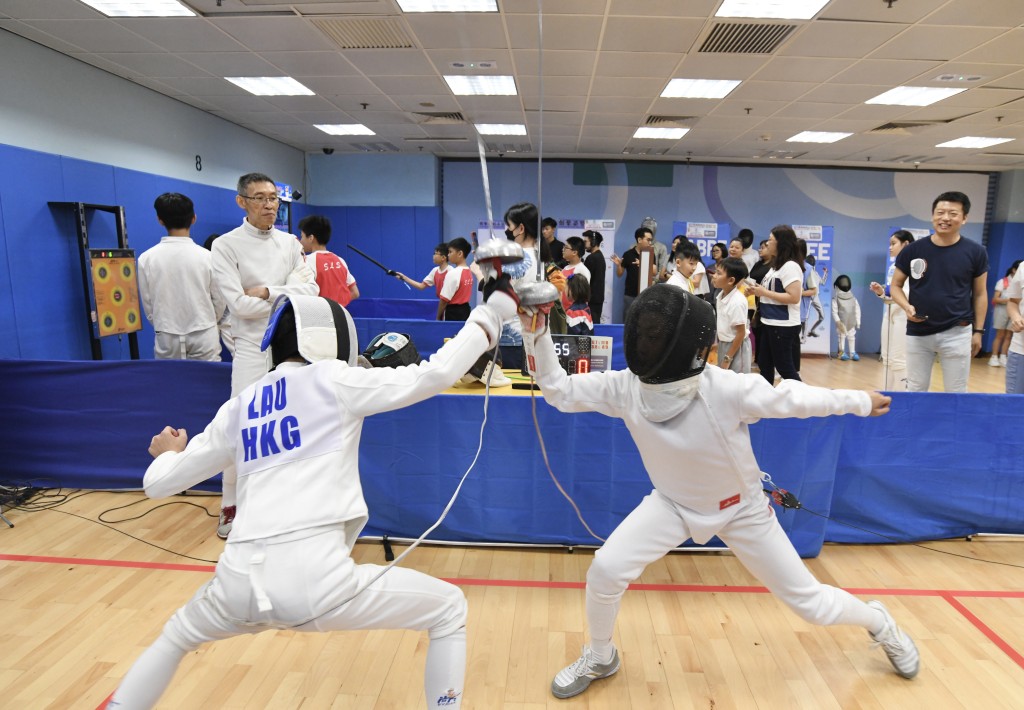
x: 115, y: 291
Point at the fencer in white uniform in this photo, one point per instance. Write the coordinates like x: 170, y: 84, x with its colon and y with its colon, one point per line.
x: 690, y: 425
x: 294, y: 438
x: 253, y: 265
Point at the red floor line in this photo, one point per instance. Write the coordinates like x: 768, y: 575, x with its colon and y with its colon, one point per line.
x: 541, y: 584
x: 104, y: 704
x: 992, y: 636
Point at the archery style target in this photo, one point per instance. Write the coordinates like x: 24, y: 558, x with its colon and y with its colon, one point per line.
x: 115, y: 291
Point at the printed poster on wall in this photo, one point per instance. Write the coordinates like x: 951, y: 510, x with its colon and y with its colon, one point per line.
x: 704, y: 234
x: 816, y: 311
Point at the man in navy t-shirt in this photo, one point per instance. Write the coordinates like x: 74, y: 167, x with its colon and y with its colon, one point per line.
x: 948, y: 299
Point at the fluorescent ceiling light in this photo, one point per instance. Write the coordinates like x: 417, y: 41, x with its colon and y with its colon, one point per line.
x: 662, y: 133
x: 270, y: 85
x: 448, y: 5
x: 913, y: 96
x: 344, y: 129
x: 771, y: 9
x: 481, y: 85
x: 501, y: 129
x: 698, y: 88
x: 973, y: 142
x: 818, y: 137
x: 140, y: 8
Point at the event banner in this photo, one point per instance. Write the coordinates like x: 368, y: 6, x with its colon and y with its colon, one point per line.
x: 816, y: 311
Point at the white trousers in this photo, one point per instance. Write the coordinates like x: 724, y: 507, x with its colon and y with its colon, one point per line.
x: 303, y: 579
x: 659, y: 525
x: 894, y: 347
x: 199, y: 345
x: 953, y: 347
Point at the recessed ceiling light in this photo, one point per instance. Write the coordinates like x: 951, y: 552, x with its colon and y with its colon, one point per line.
x: 698, y: 88
x: 140, y: 8
x: 773, y: 9
x: 662, y: 133
x: 270, y: 85
x: 818, y: 137
x: 973, y: 142
x: 481, y: 85
x: 448, y: 5
x: 913, y: 96
x: 344, y: 129
x: 501, y: 129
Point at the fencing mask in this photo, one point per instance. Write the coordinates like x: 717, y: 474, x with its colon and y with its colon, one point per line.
x: 668, y: 334
x: 392, y: 350
x: 843, y: 282
x: 310, y: 327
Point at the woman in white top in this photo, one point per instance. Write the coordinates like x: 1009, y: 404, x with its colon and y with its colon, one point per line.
x: 894, y: 324
x: 780, y: 291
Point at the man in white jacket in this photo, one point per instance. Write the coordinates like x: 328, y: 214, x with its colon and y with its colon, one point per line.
x: 253, y: 265
x: 294, y: 438
x: 690, y: 425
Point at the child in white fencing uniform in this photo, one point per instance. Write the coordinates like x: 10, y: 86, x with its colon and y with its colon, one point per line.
x: 846, y: 314
x: 294, y: 437
x: 690, y: 425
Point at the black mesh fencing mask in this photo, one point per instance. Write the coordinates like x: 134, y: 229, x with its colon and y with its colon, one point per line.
x: 668, y: 334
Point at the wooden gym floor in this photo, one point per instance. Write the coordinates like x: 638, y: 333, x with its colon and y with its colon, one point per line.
x: 79, y: 602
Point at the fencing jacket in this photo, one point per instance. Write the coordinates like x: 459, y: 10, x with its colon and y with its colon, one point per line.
x: 693, y: 440
x: 246, y: 257
x: 294, y: 437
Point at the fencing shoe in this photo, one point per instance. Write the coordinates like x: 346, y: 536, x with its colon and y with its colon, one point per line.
x: 574, y: 679
x: 897, y: 644
x: 227, y: 517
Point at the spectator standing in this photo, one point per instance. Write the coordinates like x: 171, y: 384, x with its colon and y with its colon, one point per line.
x: 948, y: 297
x: 894, y: 323
x: 554, y: 247
x: 596, y: 265
x: 1015, y: 358
x: 333, y: 277
x: 573, y: 253
x: 176, y: 287
x: 253, y: 264
x: 436, y: 276
x: 779, y: 292
x: 453, y: 301
x: 1001, y: 319
x: 629, y: 264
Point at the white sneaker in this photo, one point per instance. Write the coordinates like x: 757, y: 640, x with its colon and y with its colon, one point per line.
x: 574, y: 679
x: 897, y: 645
x: 993, y: 361
x: 496, y: 376
x: 1002, y: 360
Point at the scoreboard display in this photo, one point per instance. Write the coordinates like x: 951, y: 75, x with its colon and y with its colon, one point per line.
x: 579, y: 354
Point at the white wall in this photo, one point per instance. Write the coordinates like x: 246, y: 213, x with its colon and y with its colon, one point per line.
x: 372, y: 180
x: 52, y: 103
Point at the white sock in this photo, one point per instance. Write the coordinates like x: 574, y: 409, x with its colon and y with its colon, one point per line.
x: 445, y: 674
x: 601, y: 622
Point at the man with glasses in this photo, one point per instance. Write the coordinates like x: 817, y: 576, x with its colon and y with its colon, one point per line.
x: 252, y: 266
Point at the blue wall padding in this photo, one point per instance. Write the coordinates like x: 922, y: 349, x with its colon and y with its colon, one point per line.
x: 938, y: 466
x: 42, y: 313
x: 934, y: 468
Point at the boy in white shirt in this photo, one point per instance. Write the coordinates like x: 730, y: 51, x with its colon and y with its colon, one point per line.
x: 176, y: 287
x: 687, y: 257
x: 731, y: 307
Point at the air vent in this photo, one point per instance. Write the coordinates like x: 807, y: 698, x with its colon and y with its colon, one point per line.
x: 381, y: 147
x: 915, y: 159
x: 509, y: 147
x: 366, y: 32
x: 905, y: 128
x: 783, y: 154
x: 670, y: 121
x: 430, y: 118
x: 437, y: 139
x: 745, y: 38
